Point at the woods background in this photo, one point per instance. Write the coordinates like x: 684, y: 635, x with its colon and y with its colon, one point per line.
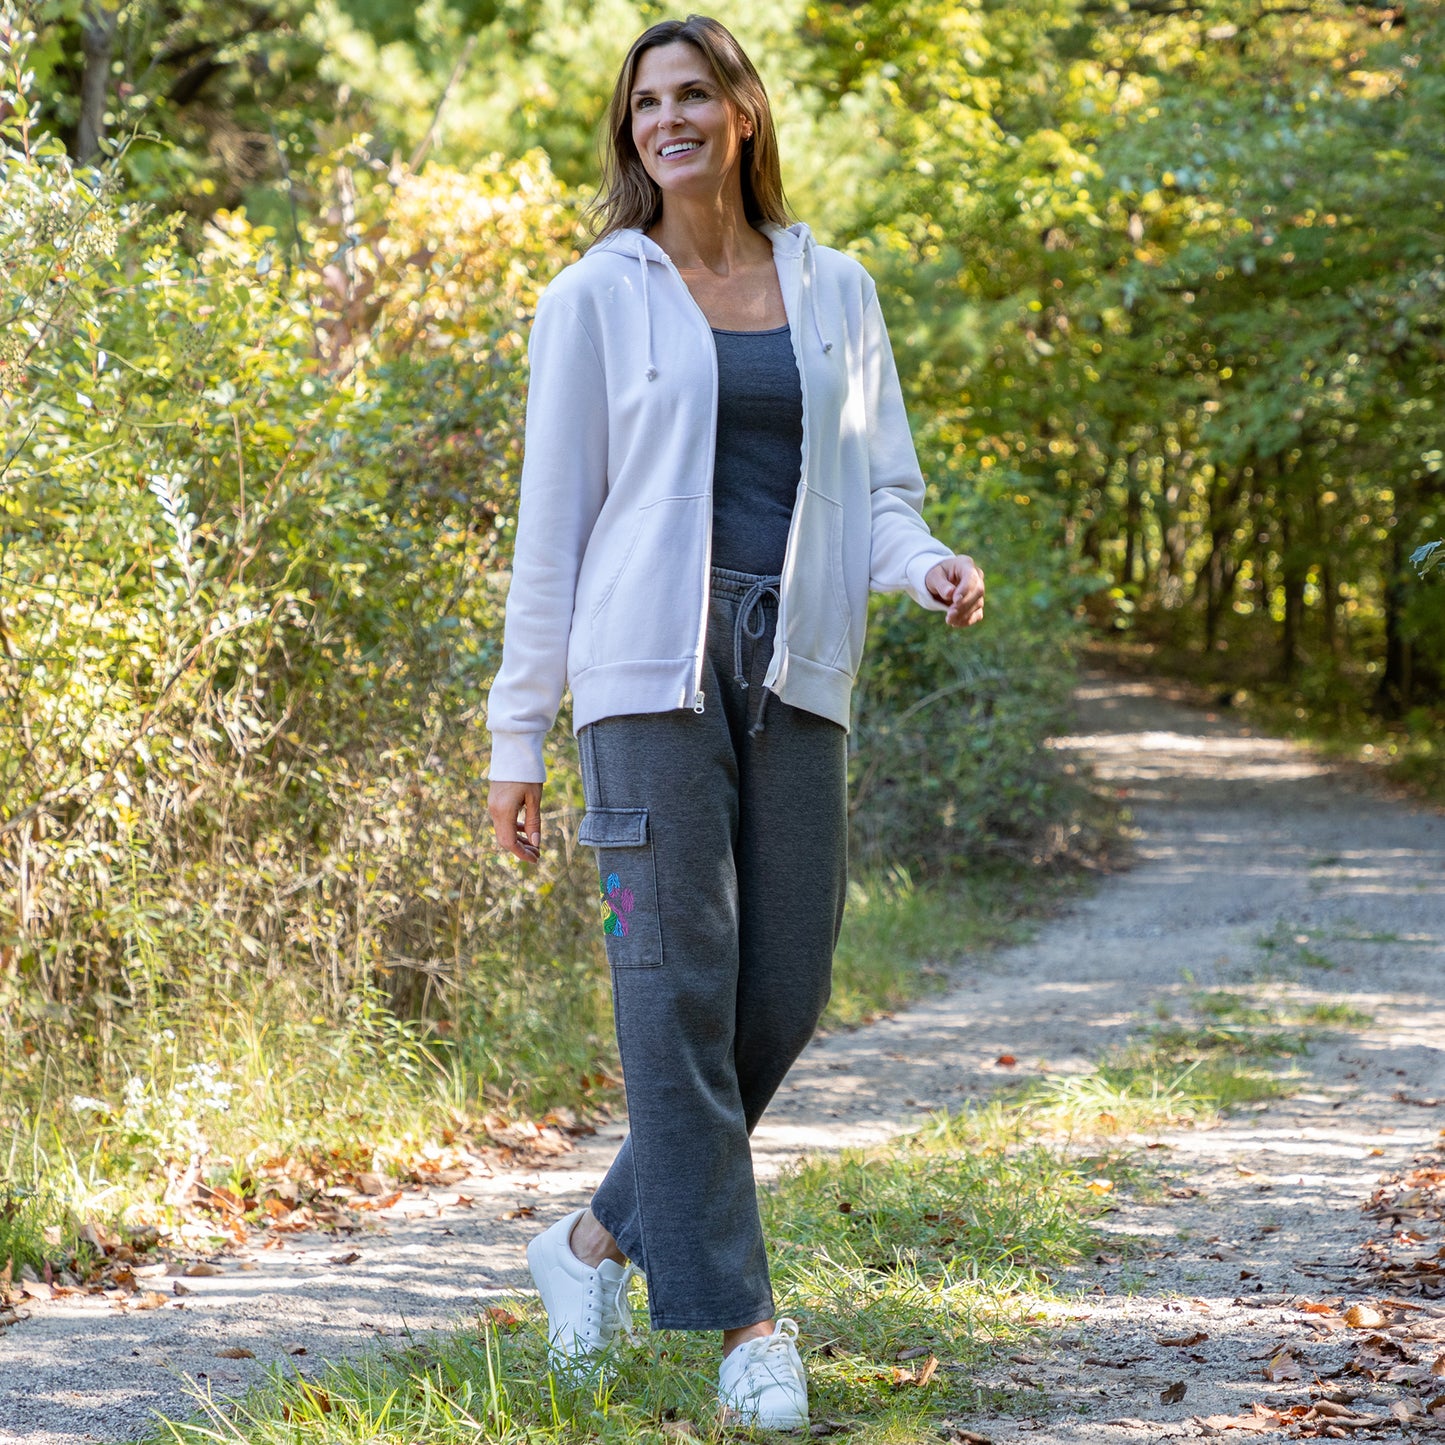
x: 1165, y: 283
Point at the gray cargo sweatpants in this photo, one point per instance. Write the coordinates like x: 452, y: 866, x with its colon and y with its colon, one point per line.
x: 721, y: 840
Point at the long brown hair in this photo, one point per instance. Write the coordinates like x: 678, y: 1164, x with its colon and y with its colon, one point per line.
x: 628, y: 196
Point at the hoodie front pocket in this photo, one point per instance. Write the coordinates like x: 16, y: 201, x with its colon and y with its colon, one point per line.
x: 818, y: 614
x: 626, y: 885
x: 630, y: 586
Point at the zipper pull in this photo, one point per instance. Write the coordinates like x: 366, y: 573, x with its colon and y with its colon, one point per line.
x: 699, y: 703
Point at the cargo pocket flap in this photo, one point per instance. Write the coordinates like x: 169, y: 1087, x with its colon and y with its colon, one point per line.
x: 614, y: 828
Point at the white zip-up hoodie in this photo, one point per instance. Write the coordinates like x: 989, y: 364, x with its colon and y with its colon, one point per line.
x: 614, y: 533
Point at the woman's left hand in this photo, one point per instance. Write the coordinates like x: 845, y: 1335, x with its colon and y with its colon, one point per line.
x: 957, y: 583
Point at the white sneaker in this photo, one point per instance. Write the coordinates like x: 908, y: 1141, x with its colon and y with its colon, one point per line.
x: 586, y: 1308
x: 762, y: 1381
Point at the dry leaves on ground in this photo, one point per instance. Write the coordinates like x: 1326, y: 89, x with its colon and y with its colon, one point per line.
x: 1322, y: 1420
x: 918, y: 1375
x: 1409, y: 1257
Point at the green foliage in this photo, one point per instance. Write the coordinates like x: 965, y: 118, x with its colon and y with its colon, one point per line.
x: 948, y: 755
x: 256, y: 509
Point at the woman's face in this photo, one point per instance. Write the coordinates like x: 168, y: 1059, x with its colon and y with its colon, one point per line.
x: 688, y: 134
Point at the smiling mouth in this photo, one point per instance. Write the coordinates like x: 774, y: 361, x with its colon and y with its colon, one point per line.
x: 679, y: 148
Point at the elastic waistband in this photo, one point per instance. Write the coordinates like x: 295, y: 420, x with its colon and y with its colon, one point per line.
x: 737, y: 585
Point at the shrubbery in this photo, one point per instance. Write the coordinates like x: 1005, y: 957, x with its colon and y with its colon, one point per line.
x: 949, y: 763
x: 254, y: 528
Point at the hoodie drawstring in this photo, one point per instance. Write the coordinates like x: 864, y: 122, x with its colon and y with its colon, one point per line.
x: 809, y: 247
x: 651, y: 372
x: 810, y: 284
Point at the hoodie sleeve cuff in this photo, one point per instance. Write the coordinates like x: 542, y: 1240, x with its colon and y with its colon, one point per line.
x: 517, y: 758
x: 918, y: 569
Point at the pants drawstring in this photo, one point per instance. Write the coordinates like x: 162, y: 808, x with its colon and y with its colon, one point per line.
x: 752, y: 623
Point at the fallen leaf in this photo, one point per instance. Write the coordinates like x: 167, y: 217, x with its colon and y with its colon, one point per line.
x: 1363, y: 1317
x: 1173, y: 1394
x: 502, y: 1319
x: 178, y: 1288
x: 1005, y: 1061
x: 147, y: 1300
x: 385, y: 1201
x: 201, y: 1269
x: 916, y: 1352
x: 1283, y: 1366
x: 1197, y: 1338
x: 235, y: 1352
x: 1100, y: 1186
x: 524, y: 1211
x: 295, y: 1349
x: 1257, y: 1424
x: 350, y: 1257
x: 100, y: 1237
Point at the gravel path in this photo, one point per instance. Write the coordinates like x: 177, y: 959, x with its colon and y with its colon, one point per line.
x: 1255, y: 862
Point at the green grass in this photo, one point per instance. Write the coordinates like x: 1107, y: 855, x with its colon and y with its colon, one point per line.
x: 265, y: 1083
x: 1224, y: 1007
x: 1287, y: 950
x: 940, y: 1242
x: 901, y: 939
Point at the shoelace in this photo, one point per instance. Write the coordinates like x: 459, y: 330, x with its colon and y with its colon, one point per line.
x: 776, y: 1345
x: 608, y: 1309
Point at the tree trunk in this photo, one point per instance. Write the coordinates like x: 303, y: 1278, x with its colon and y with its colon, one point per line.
x: 1220, y: 571
x: 1393, y: 695
x: 97, y: 38
x: 1292, y: 583
x: 1132, y: 509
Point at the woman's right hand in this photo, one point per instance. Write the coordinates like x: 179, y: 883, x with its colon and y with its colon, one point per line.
x: 511, y: 804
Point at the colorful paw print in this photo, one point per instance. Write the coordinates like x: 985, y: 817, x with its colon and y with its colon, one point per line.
x: 617, y: 903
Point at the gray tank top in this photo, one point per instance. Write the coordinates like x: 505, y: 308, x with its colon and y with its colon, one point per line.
x: 759, y: 455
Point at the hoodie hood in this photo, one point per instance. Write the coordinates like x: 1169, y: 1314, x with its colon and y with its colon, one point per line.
x: 790, y: 243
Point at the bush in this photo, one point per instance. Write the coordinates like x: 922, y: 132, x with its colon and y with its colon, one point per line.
x: 948, y: 758
x: 252, y: 548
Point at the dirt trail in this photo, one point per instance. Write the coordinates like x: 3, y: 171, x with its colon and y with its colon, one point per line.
x: 1247, y: 845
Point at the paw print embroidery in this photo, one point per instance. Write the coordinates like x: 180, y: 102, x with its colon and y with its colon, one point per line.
x: 617, y: 903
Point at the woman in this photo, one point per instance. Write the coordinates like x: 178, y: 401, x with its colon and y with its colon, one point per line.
x: 717, y: 468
